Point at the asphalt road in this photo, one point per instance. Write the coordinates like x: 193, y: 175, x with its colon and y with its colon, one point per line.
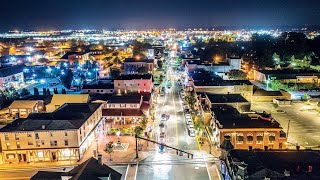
x: 168, y: 165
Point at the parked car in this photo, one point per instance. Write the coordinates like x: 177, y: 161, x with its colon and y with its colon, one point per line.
x: 192, y: 132
x: 190, y: 126
x: 189, y: 122
x: 187, y: 115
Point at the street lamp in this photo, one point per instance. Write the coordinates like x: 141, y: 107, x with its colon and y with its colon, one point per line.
x: 107, y: 129
x: 97, y: 146
x: 118, y: 134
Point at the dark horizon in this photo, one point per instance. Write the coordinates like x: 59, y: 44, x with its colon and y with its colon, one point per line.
x: 143, y: 14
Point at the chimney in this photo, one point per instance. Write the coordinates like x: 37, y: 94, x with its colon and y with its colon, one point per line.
x: 43, y: 127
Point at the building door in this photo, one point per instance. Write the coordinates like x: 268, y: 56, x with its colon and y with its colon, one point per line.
x: 19, y: 158
x: 24, y: 157
x: 54, y: 156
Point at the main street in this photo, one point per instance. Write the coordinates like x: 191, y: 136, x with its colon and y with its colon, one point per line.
x: 169, y: 165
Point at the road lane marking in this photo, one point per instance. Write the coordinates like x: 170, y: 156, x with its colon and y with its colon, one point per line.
x: 127, y: 172
x: 135, y: 176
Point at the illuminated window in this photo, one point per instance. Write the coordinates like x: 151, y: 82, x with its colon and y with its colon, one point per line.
x: 259, y: 138
x: 249, y: 138
x: 40, y: 154
x: 272, y: 138
x: 240, y: 138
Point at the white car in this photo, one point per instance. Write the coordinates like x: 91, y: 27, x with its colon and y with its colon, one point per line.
x: 190, y: 126
x: 189, y: 122
x: 182, y: 93
x: 187, y: 116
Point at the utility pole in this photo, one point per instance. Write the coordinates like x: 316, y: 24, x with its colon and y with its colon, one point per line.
x: 137, y: 156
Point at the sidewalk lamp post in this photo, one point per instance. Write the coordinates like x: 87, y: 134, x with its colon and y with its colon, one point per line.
x: 107, y: 128
x: 97, y: 146
x: 118, y: 134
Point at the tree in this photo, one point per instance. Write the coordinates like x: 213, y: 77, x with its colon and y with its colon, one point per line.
x: 142, y: 70
x: 237, y: 74
x: 24, y: 92
x: 138, y: 130
x: 3, y: 98
x: 67, y: 78
x: 160, y: 64
x: 109, y: 148
x: 140, y: 49
x: 115, y: 73
x: 143, y: 121
x: 198, y: 122
x: 35, y: 91
x: 55, y: 91
x: 63, y: 91
x: 191, y: 100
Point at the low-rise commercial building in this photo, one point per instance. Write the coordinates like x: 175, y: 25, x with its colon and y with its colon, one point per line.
x: 204, y: 81
x: 288, y: 76
x: 22, y: 108
x: 227, y: 100
x: 132, y: 65
x: 81, y: 57
x: 64, y: 134
x: 60, y: 99
x: 247, y: 131
x: 133, y: 83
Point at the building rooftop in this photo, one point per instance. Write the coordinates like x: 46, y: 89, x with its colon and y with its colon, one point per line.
x: 130, y: 60
x: 10, y: 70
x: 226, y: 98
x: 68, y: 116
x: 262, y: 92
x: 99, y: 85
x: 134, y: 76
x: 205, y: 78
x: 122, y: 112
x: 231, y: 118
x: 261, y: 163
x: 290, y: 73
x: 134, y: 99
x: 23, y: 104
x: 90, y: 169
x: 69, y: 98
x: 65, y: 56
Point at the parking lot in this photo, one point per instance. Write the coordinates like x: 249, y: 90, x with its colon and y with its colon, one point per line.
x: 304, y: 121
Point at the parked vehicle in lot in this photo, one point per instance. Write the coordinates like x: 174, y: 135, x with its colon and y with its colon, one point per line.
x: 161, y: 93
x: 54, y: 83
x: 192, y: 132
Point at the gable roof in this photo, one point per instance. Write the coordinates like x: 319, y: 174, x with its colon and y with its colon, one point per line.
x: 68, y: 116
x: 23, y: 104
x: 90, y: 169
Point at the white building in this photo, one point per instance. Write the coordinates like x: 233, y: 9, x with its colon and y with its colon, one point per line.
x: 64, y: 134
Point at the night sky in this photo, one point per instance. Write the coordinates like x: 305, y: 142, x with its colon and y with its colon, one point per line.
x: 146, y: 14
